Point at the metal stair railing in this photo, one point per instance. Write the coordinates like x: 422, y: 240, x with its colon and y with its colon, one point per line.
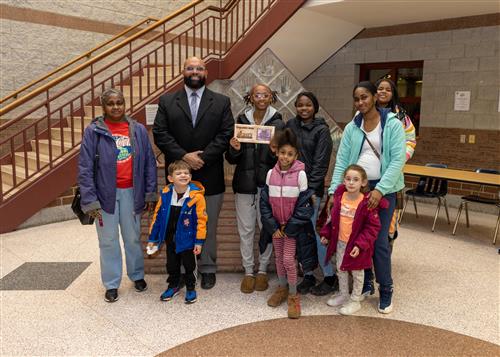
x: 142, y: 66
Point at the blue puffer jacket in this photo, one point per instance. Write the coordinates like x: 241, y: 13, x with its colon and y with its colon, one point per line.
x: 100, y: 192
x: 191, y: 227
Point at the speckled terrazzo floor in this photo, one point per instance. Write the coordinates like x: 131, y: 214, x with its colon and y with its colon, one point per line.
x: 449, y: 283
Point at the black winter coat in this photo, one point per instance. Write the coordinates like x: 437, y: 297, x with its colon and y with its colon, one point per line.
x: 252, y: 161
x: 299, y: 226
x: 315, y: 149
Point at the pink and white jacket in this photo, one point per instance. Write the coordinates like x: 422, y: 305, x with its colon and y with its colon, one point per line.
x: 284, y: 189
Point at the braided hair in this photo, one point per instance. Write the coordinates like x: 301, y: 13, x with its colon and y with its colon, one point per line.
x: 248, y: 96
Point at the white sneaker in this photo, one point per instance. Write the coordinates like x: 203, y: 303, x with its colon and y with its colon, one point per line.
x: 337, y: 300
x: 386, y: 310
x: 150, y: 250
x: 350, y: 307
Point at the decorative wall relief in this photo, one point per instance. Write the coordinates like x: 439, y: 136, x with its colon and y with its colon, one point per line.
x: 269, y: 70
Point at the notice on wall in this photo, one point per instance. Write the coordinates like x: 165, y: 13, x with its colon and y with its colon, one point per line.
x: 151, y: 110
x: 499, y: 101
x: 462, y: 101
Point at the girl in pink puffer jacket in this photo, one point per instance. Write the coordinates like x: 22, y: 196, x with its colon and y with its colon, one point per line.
x: 285, y: 182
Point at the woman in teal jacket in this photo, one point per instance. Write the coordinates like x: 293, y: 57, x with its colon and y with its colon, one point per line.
x: 375, y: 140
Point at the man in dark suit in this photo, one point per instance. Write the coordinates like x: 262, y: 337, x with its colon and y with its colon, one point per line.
x: 195, y: 125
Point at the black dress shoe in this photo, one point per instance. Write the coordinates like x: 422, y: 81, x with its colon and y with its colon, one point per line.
x: 207, y: 280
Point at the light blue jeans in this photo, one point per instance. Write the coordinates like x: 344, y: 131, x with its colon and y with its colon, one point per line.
x: 109, y: 241
x: 327, y: 268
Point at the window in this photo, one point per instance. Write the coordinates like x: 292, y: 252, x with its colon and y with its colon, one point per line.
x: 408, y: 78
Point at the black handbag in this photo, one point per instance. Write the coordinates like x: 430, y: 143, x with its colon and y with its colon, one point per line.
x: 84, y: 218
x: 76, y: 206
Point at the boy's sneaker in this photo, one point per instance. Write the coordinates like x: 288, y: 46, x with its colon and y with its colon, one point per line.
x: 140, y: 285
x: 337, y: 300
x: 368, y: 289
x: 385, y: 303
x: 306, y: 284
x: 190, y: 297
x: 169, y: 294
x: 151, y: 250
x: 350, y: 307
x: 111, y: 295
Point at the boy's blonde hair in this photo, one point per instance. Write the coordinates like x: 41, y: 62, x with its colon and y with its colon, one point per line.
x: 363, y: 174
x: 178, y: 165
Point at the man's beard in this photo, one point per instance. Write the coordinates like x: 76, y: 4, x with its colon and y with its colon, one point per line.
x: 196, y: 84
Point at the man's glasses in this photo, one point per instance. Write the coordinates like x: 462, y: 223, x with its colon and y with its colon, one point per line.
x: 191, y: 68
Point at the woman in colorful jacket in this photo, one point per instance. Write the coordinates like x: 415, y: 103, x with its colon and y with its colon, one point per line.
x: 375, y: 140
x: 388, y: 97
x: 117, y: 179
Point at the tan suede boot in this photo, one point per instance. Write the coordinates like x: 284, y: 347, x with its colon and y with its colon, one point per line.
x: 248, y: 284
x: 278, y: 297
x: 294, y: 306
x: 261, y: 282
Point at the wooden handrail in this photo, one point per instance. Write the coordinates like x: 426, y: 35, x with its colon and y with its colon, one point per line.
x: 76, y: 59
x: 100, y: 56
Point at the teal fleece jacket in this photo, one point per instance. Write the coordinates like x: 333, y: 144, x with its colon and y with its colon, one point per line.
x: 392, y: 156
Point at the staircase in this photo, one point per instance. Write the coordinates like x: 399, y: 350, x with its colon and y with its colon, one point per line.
x: 39, y: 161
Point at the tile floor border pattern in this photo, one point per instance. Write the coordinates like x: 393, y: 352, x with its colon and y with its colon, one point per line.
x: 441, y: 281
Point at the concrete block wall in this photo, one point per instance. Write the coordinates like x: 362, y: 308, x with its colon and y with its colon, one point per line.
x: 454, y: 60
x: 38, y: 36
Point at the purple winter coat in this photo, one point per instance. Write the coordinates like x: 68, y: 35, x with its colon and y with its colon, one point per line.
x: 365, y: 229
x: 100, y: 193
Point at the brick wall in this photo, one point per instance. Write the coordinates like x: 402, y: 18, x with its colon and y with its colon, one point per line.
x: 228, y: 241
x: 443, y: 146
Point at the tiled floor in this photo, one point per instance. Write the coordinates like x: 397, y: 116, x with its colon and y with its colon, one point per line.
x: 441, y: 281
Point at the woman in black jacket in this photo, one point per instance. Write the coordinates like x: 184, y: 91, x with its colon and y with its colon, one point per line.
x: 315, y: 149
x: 253, y: 161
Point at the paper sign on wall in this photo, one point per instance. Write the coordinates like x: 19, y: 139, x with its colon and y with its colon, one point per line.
x: 151, y: 110
x: 462, y: 101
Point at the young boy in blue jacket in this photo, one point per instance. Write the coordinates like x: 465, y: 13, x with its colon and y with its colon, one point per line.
x: 180, y: 220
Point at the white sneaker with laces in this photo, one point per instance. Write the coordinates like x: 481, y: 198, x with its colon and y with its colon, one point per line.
x: 150, y: 250
x: 337, y: 300
x: 350, y: 307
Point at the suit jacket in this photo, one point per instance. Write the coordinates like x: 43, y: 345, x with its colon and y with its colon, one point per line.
x: 175, y: 135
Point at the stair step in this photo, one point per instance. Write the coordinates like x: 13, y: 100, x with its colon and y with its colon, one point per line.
x: 5, y: 187
x: 160, y: 69
x: 77, y: 122
x: 31, y: 155
x: 56, y: 134
x: 97, y: 110
x: 8, y: 176
x: 43, y: 146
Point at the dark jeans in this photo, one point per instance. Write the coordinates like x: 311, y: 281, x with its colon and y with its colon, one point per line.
x: 382, y: 250
x: 174, y: 262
